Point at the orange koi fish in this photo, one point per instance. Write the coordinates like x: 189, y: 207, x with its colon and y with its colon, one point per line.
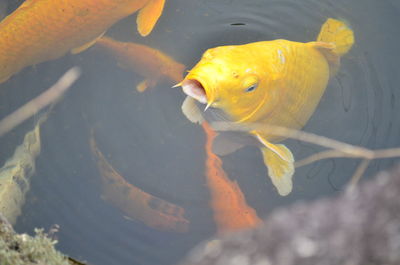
x: 135, y: 203
x: 277, y: 82
x: 42, y: 30
x: 231, y: 212
x: 150, y: 63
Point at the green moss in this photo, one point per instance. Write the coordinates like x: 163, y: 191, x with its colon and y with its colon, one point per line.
x: 23, y: 249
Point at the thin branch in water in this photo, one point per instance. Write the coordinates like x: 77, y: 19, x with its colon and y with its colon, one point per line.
x: 352, y: 150
x: 336, y: 149
x: 51, y: 95
x: 320, y: 156
x: 387, y: 153
x: 358, y: 173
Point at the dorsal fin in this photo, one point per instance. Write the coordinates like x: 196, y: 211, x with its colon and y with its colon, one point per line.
x: 334, y: 40
x: 328, y: 51
x: 339, y: 33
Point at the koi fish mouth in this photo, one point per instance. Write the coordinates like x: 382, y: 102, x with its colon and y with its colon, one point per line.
x: 193, y: 88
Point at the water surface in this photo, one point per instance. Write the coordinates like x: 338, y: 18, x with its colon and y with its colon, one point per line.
x: 148, y: 140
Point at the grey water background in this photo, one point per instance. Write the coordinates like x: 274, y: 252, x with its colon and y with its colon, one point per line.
x: 148, y: 140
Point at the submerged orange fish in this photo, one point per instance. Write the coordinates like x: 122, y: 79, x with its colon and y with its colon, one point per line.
x: 42, y: 30
x: 277, y: 82
x: 134, y: 202
x: 230, y: 209
x: 152, y: 64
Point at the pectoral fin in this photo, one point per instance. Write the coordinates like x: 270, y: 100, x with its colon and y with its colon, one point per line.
x: 86, y: 45
x: 148, y: 16
x: 280, y: 163
x: 145, y: 84
x: 191, y: 111
x: 279, y: 170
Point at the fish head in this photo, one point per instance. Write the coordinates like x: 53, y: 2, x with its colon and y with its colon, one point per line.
x: 228, y: 79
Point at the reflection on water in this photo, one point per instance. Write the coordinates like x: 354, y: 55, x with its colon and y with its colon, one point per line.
x: 145, y: 137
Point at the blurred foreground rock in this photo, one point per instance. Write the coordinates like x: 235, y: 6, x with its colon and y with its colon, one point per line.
x: 360, y: 227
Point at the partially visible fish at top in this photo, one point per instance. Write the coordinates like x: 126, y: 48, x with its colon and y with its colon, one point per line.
x: 278, y: 83
x: 42, y: 30
x: 152, y: 64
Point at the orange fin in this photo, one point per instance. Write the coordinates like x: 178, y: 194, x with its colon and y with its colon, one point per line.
x: 86, y: 45
x: 145, y: 84
x: 149, y: 15
x: 142, y: 86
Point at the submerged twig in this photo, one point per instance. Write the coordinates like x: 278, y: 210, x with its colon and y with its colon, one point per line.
x: 358, y: 173
x: 336, y: 149
x: 354, y: 151
x: 35, y: 105
x: 320, y: 156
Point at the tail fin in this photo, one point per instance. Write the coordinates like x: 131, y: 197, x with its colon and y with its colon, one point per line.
x: 338, y: 33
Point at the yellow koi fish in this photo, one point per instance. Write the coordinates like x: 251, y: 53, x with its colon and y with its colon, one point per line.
x: 42, y: 30
x: 277, y: 82
x: 150, y: 63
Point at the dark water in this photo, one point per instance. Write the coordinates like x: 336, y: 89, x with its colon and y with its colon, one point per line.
x: 148, y: 140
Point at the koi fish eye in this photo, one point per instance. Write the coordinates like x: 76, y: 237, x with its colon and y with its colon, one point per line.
x: 250, y: 82
x: 252, y: 87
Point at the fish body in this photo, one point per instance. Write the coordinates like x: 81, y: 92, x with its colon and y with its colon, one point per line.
x: 228, y: 203
x: 135, y: 203
x: 42, y: 30
x: 278, y: 83
x: 152, y: 64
